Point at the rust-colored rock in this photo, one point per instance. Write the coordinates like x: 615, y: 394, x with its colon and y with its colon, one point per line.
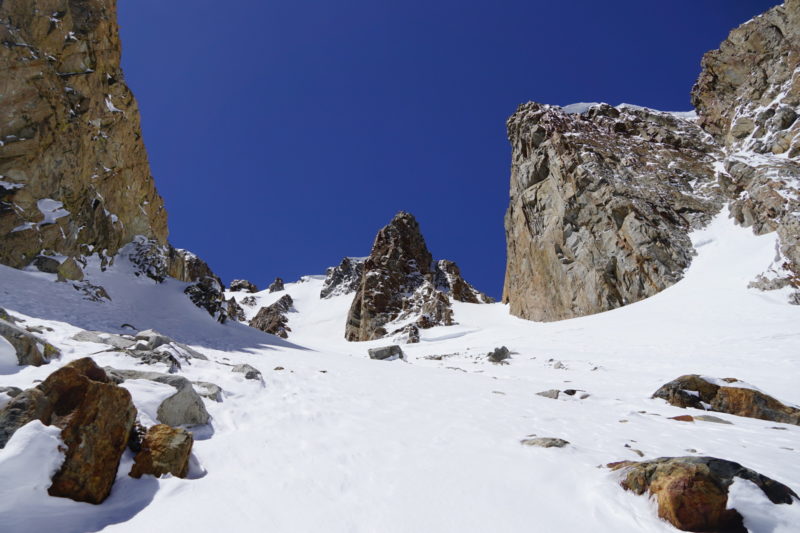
x: 273, y: 319
x: 692, y: 492
x: 75, y: 171
x: 95, y: 416
x: 695, y: 391
x: 164, y: 450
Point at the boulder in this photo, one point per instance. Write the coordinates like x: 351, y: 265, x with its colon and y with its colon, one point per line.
x: 692, y: 492
x: 724, y: 396
x: 31, y: 350
x: 273, y: 319
x: 46, y: 264
x: 212, y: 391
x: 242, y: 285
x: 386, y: 353
x: 96, y: 418
x: 276, y: 286
x: 552, y: 394
x: 184, y: 408
x: 164, y: 450
x: 545, y: 442
x: 248, y: 371
x: 498, y: 355
x: 69, y: 270
x: 116, y: 341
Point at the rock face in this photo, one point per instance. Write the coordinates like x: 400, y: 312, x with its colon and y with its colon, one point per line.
x: 75, y: 175
x: 96, y: 418
x: 692, y: 492
x: 701, y: 393
x: 400, y: 285
x: 748, y: 98
x: 164, y: 450
x: 602, y: 200
x: 273, y: 319
x: 344, y: 278
x: 601, y: 207
x: 30, y: 349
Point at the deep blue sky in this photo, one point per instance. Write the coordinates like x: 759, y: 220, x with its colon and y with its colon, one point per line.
x: 283, y: 135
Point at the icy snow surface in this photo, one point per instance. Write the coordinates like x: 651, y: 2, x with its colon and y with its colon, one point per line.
x: 337, y: 442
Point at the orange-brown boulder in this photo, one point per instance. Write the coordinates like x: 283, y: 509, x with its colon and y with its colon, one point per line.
x: 95, y: 416
x: 164, y: 450
x: 692, y: 492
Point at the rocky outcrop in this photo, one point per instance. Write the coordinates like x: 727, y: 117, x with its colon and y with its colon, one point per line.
x: 184, y: 408
x: 164, y: 450
x: 242, y: 285
x: 30, y: 349
x: 95, y: 416
x: 276, y: 286
x: 603, y: 199
x: 748, y: 98
x: 345, y: 278
x: 724, y: 396
x: 160, y: 261
x: 601, y: 206
x: 273, y: 319
x: 400, y: 285
x: 692, y: 492
x: 447, y: 278
x: 74, y: 175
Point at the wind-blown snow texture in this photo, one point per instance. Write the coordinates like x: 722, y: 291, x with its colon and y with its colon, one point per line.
x: 338, y: 442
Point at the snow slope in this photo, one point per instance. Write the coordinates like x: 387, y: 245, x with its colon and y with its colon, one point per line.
x: 338, y: 442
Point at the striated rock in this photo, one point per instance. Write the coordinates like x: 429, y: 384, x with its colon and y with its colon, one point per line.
x: 399, y: 285
x: 692, y: 492
x: 75, y: 175
x: 386, y: 353
x: 30, y: 349
x: 725, y: 396
x: 273, y: 319
x: 242, y: 285
x: 96, y: 418
x: 601, y: 206
x: 184, y: 408
x: 164, y: 450
x: 344, y: 278
x: 276, y: 286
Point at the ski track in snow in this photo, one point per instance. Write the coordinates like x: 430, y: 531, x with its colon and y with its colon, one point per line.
x: 337, y: 442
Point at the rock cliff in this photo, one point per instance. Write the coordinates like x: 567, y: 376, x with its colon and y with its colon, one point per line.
x: 74, y: 175
x: 603, y: 198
